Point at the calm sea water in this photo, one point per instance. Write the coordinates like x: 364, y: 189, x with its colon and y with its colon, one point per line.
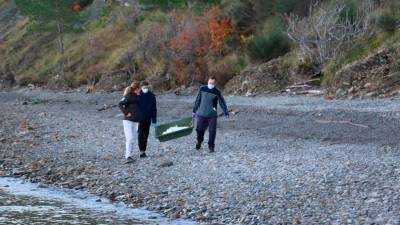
x: 26, y: 203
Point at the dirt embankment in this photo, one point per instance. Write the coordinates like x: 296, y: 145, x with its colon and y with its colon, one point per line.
x: 378, y: 75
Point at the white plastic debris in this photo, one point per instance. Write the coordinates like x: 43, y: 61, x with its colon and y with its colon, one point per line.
x: 174, y: 129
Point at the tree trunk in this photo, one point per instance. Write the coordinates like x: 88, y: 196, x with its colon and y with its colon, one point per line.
x: 61, y: 47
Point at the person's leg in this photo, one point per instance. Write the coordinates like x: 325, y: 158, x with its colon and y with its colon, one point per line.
x: 143, y: 135
x: 212, y: 130
x: 202, y: 124
x: 129, y: 129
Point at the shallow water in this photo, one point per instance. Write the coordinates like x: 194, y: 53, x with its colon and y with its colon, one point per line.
x: 26, y: 203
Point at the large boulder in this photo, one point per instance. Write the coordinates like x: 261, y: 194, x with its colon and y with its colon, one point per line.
x: 378, y: 75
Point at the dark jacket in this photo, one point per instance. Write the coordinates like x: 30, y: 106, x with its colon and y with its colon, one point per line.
x: 148, y: 107
x: 130, y: 104
x: 207, y: 101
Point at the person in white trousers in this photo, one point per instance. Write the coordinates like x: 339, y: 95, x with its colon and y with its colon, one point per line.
x: 129, y: 106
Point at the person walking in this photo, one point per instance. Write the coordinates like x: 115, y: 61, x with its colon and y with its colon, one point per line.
x: 129, y: 105
x: 205, y: 109
x: 148, y: 109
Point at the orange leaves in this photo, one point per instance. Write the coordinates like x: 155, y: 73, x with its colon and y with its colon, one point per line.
x: 196, y: 38
x: 182, y: 41
x: 208, y: 32
x: 76, y: 7
x: 180, y: 76
x: 220, y: 28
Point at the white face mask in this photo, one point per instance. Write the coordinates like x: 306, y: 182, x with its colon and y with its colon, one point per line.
x: 145, y: 90
x: 211, y: 86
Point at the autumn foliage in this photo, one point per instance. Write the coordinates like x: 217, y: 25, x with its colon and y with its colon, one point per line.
x: 220, y: 28
x: 199, y: 37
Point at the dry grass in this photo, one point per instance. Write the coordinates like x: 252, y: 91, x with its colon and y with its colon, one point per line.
x: 360, y: 50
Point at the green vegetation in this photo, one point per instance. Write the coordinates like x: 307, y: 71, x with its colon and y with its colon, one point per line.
x: 49, y: 15
x: 270, y: 42
x: 389, y: 21
x: 177, y: 4
x: 181, y: 42
x: 299, y: 7
x: 43, y: 12
x: 360, y: 50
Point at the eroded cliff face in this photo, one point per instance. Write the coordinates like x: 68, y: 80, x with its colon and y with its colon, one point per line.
x: 20, y: 49
x: 9, y: 18
x: 28, y: 57
x: 273, y: 77
x: 378, y: 75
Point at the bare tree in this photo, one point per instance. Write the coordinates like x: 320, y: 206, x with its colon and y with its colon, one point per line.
x: 328, y: 27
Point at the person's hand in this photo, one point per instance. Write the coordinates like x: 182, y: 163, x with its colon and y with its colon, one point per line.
x: 226, y: 116
x: 155, y: 125
x: 194, y: 115
x: 128, y: 115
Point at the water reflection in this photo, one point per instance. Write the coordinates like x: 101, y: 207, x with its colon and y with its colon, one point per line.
x: 26, y: 203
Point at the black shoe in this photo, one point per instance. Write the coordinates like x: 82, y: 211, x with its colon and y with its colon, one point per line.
x: 143, y: 155
x: 198, y: 146
x: 212, y: 150
x: 129, y: 160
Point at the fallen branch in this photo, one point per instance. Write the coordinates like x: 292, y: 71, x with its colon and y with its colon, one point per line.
x: 299, y: 86
x: 307, y: 83
x: 341, y: 122
x: 311, y: 92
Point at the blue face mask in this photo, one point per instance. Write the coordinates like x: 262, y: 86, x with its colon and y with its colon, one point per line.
x: 145, y: 90
x: 211, y: 86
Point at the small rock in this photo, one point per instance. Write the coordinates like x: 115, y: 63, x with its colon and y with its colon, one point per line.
x: 166, y: 164
x: 175, y: 215
x: 201, y: 218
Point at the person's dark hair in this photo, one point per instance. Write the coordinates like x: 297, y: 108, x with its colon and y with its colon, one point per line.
x: 144, y: 83
x: 212, y: 78
x: 135, y: 85
x: 131, y: 88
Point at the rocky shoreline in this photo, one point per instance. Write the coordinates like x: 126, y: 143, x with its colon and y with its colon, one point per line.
x: 274, y: 163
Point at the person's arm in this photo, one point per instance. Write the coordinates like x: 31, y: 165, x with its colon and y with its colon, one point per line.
x: 197, y: 102
x: 222, y: 103
x: 154, y: 112
x: 122, y: 105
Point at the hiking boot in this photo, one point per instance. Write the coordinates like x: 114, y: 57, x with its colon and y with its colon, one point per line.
x: 129, y: 160
x: 198, y: 146
x: 143, y: 155
x: 212, y: 150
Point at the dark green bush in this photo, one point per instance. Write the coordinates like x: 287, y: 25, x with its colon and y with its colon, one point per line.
x: 388, y: 22
x: 270, y: 42
x: 241, y: 12
x: 299, y: 7
x: 175, y: 4
x: 267, y: 46
x: 350, y: 11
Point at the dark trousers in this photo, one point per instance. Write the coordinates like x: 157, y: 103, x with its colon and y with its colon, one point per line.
x: 143, y: 135
x: 202, y: 125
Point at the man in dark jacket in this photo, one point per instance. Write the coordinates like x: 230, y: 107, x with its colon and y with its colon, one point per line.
x: 205, y: 109
x: 148, y: 109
